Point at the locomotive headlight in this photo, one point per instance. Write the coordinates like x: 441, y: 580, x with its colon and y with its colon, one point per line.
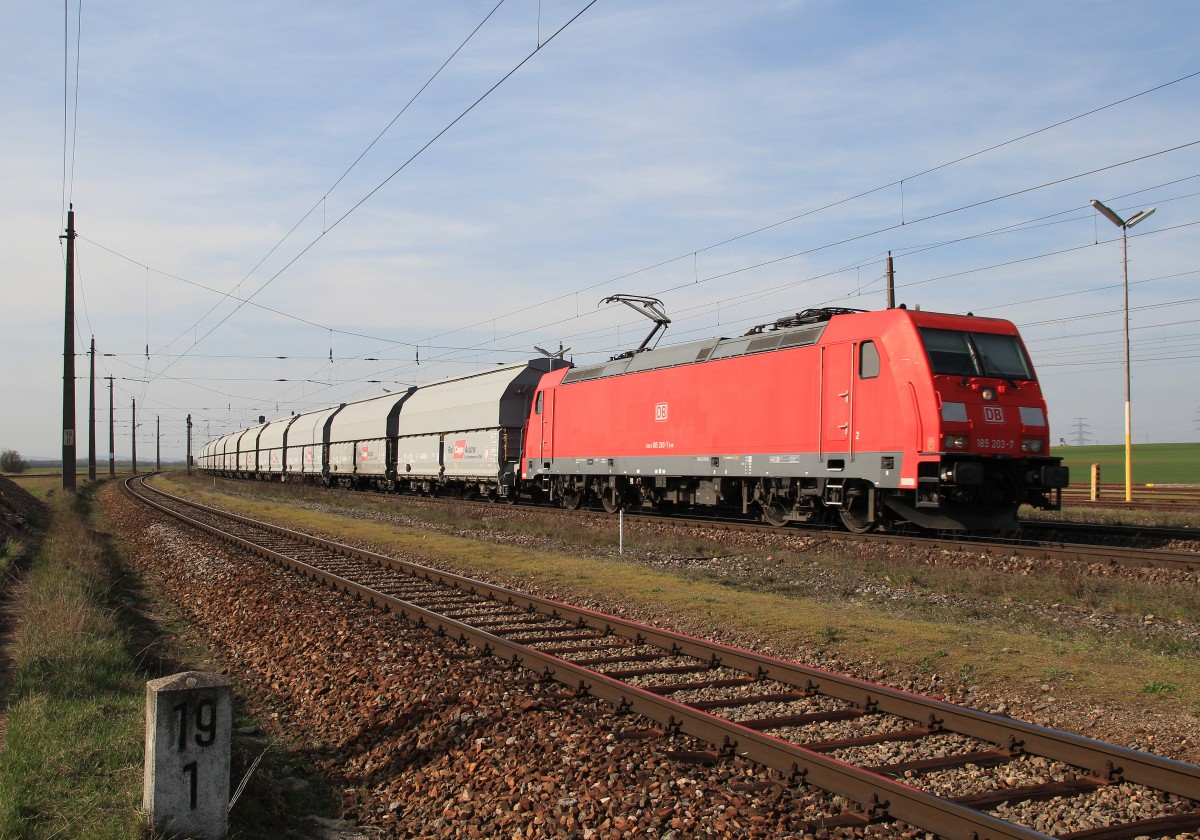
x: 988, y: 394
x: 956, y: 441
x: 1031, y: 444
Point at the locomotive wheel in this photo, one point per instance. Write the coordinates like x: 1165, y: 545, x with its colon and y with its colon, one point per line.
x: 854, y: 514
x: 774, y: 513
x: 610, y: 504
x: 572, y: 499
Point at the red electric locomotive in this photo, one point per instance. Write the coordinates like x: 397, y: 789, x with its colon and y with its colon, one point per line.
x: 885, y: 417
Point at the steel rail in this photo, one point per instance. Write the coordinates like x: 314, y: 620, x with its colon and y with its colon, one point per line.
x: 1159, y: 533
x: 1107, y: 555
x: 881, y: 796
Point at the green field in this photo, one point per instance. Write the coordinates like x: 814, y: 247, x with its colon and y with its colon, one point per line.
x: 1153, y: 463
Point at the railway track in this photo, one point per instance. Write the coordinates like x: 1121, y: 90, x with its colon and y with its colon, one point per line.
x: 1102, y: 544
x: 946, y: 769
x: 1151, y: 535
x: 1132, y: 546
x: 1051, y: 547
x: 1181, y: 498
x: 1104, y: 554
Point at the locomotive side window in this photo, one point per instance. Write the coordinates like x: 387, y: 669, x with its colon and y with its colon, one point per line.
x: 868, y: 360
x: 975, y: 354
x: 538, y: 410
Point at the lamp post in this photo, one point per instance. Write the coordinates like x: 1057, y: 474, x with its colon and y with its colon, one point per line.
x: 1125, y: 225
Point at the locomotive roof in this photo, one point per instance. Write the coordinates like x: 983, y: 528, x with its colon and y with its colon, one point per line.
x: 800, y: 330
x: 706, y: 350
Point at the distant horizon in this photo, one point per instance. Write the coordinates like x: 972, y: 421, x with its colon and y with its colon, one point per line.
x: 50, y: 461
x: 45, y: 461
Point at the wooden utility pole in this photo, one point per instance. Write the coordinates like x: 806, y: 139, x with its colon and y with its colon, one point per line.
x: 68, y: 434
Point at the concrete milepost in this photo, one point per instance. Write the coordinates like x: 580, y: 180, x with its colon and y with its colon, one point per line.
x: 188, y: 725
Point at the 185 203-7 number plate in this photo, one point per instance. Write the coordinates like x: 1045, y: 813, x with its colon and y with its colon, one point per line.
x: 994, y: 443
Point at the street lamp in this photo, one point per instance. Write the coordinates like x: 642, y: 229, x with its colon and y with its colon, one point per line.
x: 1125, y: 225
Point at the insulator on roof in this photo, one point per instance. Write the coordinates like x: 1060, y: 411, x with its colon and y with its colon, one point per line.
x: 800, y: 319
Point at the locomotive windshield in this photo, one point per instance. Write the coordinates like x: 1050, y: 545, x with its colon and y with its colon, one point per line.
x: 975, y: 354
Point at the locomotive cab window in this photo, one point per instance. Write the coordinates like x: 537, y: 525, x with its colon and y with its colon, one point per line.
x: 957, y: 353
x: 538, y: 409
x: 868, y: 360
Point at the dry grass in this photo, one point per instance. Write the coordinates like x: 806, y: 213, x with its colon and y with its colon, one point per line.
x: 39, y: 485
x: 10, y: 551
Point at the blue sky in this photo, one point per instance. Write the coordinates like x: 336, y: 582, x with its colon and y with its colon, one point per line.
x: 706, y: 153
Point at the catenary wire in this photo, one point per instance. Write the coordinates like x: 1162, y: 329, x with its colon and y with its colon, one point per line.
x: 341, y: 177
x: 396, y: 172
x: 825, y: 207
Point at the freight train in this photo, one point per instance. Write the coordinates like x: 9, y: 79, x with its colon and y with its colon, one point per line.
x: 875, y: 419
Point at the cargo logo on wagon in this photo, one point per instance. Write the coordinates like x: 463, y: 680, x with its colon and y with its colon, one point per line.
x: 993, y: 414
x: 660, y: 412
x: 463, y: 451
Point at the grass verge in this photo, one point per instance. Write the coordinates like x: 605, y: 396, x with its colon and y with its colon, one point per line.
x: 72, y: 761
x: 10, y: 552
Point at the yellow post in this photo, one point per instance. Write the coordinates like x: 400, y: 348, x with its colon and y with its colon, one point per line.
x: 1095, y: 482
x: 1128, y: 456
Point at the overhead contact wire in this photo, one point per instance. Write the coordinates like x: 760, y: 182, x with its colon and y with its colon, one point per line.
x: 341, y: 177
x: 837, y: 203
x: 400, y: 169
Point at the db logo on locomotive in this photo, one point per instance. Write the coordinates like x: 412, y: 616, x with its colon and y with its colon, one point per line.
x: 993, y: 414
